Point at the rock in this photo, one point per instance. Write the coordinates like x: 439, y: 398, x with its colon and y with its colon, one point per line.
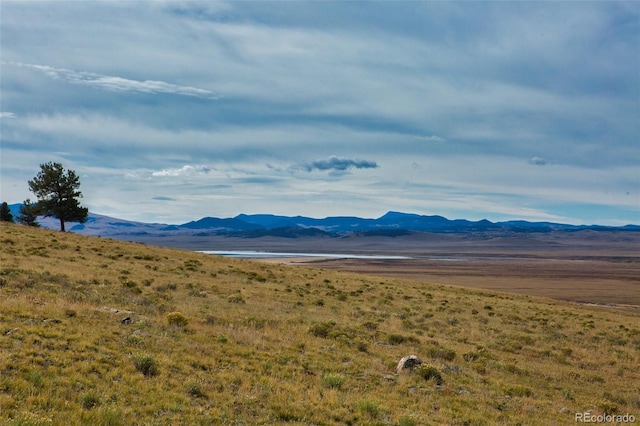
x: 408, y: 363
x: 127, y: 320
x: 52, y: 320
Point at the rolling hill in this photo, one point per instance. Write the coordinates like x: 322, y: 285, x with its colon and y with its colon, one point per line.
x: 104, y: 332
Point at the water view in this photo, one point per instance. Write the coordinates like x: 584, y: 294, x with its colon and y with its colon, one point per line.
x: 250, y: 254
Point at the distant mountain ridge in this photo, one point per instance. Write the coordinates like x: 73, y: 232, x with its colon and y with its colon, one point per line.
x: 256, y: 225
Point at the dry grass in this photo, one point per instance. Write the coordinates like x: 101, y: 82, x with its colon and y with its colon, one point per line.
x: 213, y: 340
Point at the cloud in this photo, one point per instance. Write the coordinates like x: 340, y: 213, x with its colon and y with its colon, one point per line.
x: 539, y: 161
x: 161, y: 198
x: 117, y: 84
x: 453, y: 98
x: 185, y: 170
x: 432, y: 138
x: 334, y: 163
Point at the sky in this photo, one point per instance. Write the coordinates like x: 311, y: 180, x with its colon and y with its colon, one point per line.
x: 172, y: 111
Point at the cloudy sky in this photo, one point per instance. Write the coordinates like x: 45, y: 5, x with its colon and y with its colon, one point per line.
x: 171, y: 111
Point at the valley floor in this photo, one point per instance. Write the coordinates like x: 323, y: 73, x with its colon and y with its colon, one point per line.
x: 589, y: 267
x: 607, y: 283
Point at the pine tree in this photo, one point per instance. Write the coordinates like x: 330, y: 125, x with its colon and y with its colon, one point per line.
x: 29, y: 213
x: 58, y: 194
x: 5, y: 213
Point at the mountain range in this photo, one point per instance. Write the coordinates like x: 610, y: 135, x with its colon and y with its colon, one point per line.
x: 258, y: 225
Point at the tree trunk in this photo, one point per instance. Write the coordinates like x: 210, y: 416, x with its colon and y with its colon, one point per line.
x: 61, y: 225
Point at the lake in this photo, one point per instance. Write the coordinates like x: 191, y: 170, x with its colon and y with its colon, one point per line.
x: 250, y: 254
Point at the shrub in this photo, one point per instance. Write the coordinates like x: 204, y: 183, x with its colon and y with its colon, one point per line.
x: 471, y: 356
x: 89, y: 400
x: 256, y: 277
x: 146, y: 364
x: 406, y: 421
x: 370, y: 325
x: 607, y: 407
x: 521, y: 391
x: 322, y: 329
x: 193, y: 389
x: 128, y: 283
x: 236, y: 298
x: 362, y: 346
x: 369, y: 407
x: 177, y: 319
x: 286, y: 414
x: 333, y: 380
x: 134, y: 340
x: 397, y: 339
x: 442, y: 353
x: 452, y: 321
x: 429, y: 372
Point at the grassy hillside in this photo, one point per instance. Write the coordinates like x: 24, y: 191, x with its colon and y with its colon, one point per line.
x: 213, y: 340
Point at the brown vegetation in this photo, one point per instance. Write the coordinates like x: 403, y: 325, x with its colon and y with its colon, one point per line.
x: 221, y: 341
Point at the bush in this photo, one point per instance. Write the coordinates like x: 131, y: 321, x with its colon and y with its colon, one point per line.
x: 442, y: 353
x: 362, y: 346
x: 333, y: 380
x: 370, y: 325
x: 287, y: 414
x: 429, y: 372
x: 521, y: 391
x: 89, y: 400
x: 369, y: 407
x: 134, y: 340
x: 406, y: 421
x: 607, y: 407
x: 193, y: 389
x: 322, y: 329
x: 177, y: 319
x: 398, y: 339
x: 146, y: 364
x: 471, y: 356
x: 235, y: 298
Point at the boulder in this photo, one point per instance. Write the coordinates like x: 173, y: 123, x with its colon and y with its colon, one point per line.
x: 408, y: 363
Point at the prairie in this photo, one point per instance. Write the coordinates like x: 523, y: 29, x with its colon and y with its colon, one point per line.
x: 105, y: 332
